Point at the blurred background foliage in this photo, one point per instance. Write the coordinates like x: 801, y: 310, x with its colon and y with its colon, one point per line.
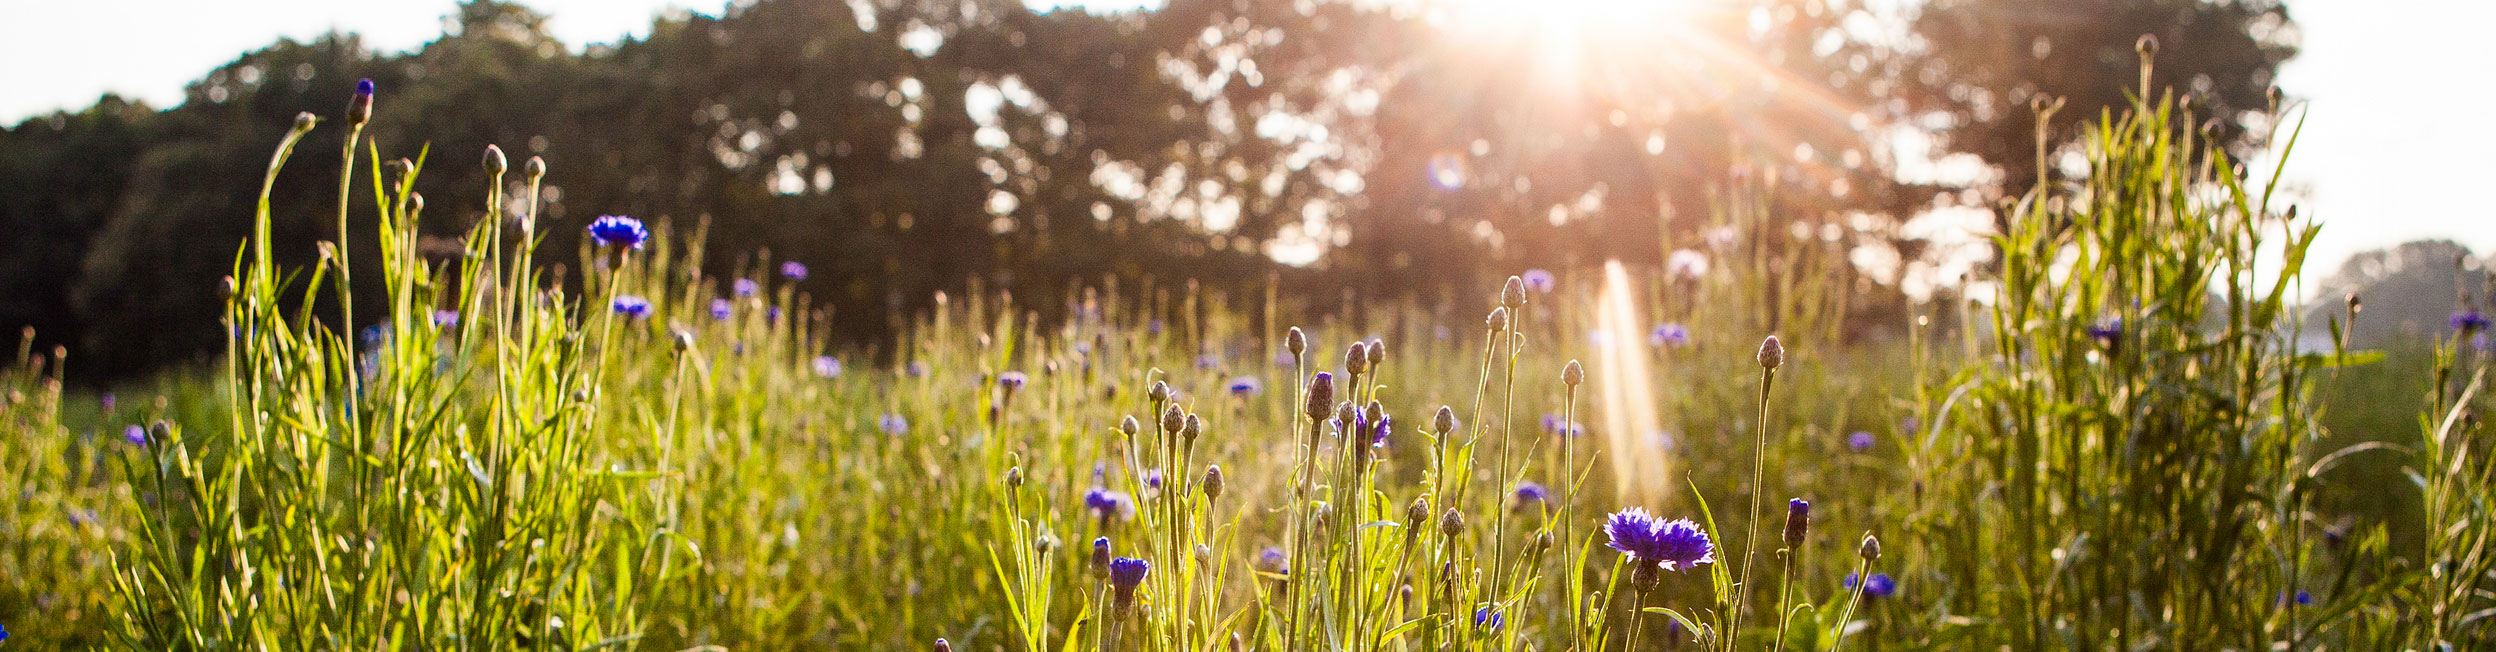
x: 1334, y: 148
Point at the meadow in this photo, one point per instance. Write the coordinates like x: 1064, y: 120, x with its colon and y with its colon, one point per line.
x: 2122, y: 447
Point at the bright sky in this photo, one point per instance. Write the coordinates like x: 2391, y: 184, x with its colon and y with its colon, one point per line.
x: 2397, y: 125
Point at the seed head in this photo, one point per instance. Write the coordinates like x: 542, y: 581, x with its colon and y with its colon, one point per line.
x: 1573, y: 375
x: 1771, y: 353
x: 1295, y: 341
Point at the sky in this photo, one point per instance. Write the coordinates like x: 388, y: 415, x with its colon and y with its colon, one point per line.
x: 2394, y: 96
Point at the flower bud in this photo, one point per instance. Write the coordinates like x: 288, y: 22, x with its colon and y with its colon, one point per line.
x: 1213, y: 482
x: 304, y: 122
x: 1512, y: 294
x: 1128, y: 426
x: 1417, y: 513
x: 494, y: 161
x: 1160, y: 391
x: 1295, y: 341
x: 1172, y: 419
x: 1452, y: 522
x: 1498, y: 320
x: 1871, y: 550
x: 1797, y: 521
x: 1446, y: 421
x: 1013, y: 477
x: 360, y: 109
x: 2147, y: 46
x: 942, y: 646
x: 535, y: 169
x: 1321, y: 396
x: 1190, y: 428
x: 1771, y: 353
x: 1573, y: 375
x: 1377, y: 353
x: 1356, y: 359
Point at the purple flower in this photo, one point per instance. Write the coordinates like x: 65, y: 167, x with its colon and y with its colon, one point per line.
x: 1530, y: 494
x: 1669, y: 335
x: 1674, y: 545
x: 1152, y: 479
x: 916, y: 369
x: 105, y: 401
x: 1488, y: 619
x: 1108, y: 505
x: 1100, y: 553
x: 1686, y: 263
x: 795, y: 271
x: 828, y: 366
x: 720, y: 308
x: 1539, y: 280
x: 1207, y: 361
x: 1553, y: 425
x: 632, y: 306
x: 746, y: 287
x: 1012, y: 380
x: 1246, y: 386
x: 445, y: 318
x: 136, y: 435
x: 1126, y: 573
x: 1273, y: 561
x: 893, y: 424
x: 1880, y: 586
x: 1797, y: 521
x: 618, y: 231
x: 2470, y: 321
x: 1860, y: 440
x: 2106, y: 331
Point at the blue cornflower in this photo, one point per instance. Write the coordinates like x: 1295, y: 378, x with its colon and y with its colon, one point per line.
x: 1246, y: 386
x: 772, y: 315
x: 893, y: 424
x: 2470, y: 321
x: 720, y: 308
x: 1539, y: 280
x: 1012, y: 380
x: 1669, y: 335
x: 136, y: 435
x: 632, y: 306
x: 828, y: 366
x: 364, y: 88
x: 1673, y: 545
x: 1488, y: 619
x: 1860, y: 440
x: 746, y: 287
x: 2107, y: 330
x: 793, y: 270
x: 1880, y: 586
x: 1555, y: 426
x: 618, y: 231
x: 446, y: 318
x: 1108, y: 505
x: 2304, y: 598
x: 4, y: 633
x: 1152, y: 479
x: 1273, y: 561
x: 1531, y: 494
x: 1126, y: 573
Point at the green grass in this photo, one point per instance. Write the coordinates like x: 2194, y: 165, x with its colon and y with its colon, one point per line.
x: 546, y: 473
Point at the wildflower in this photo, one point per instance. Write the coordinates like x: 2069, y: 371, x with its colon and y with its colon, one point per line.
x: 828, y: 366
x: 1153, y: 327
x: 1100, y: 554
x: 1012, y: 380
x: 1207, y: 361
x: 1246, y: 386
x: 1860, y: 440
x: 1685, y: 263
x: 2470, y: 321
x: 1273, y: 561
x: 1488, y: 619
x: 1152, y: 479
x: 1107, y: 505
x: 893, y: 424
x: 1374, y: 425
x: 1126, y: 573
x: 1530, y: 494
x: 793, y: 270
x: 445, y: 318
x: 632, y: 306
x: 1539, y: 280
x: 2304, y: 598
x: 1675, y: 545
x: 618, y: 231
x: 916, y: 369
x: 772, y: 315
x: 135, y: 435
x: 943, y: 646
x: 1880, y: 586
x: 746, y: 287
x: 2106, y: 331
x: 1669, y: 335
x: 720, y: 308
x: 1797, y: 521
x: 1555, y: 426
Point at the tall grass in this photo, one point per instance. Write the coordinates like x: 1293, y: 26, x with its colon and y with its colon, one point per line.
x: 2119, y: 450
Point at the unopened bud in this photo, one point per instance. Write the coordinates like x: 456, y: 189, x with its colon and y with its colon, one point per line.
x: 1771, y: 353
x: 1191, y: 427
x: 535, y: 169
x: 1128, y: 426
x: 1160, y: 391
x: 1172, y: 419
x: 942, y: 646
x: 1512, y: 294
x: 1452, y: 522
x: 1013, y: 476
x: 1321, y: 396
x: 1445, y: 422
x: 494, y: 161
x: 1418, y: 512
x: 1295, y: 341
x: 1356, y: 359
x: 2147, y: 46
x: 304, y: 122
x: 360, y: 109
x: 1498, y: 320
x: 1797, y: 521
x: 1213, y: 482
x: 1573, y: 375
x: 1871, y: 550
